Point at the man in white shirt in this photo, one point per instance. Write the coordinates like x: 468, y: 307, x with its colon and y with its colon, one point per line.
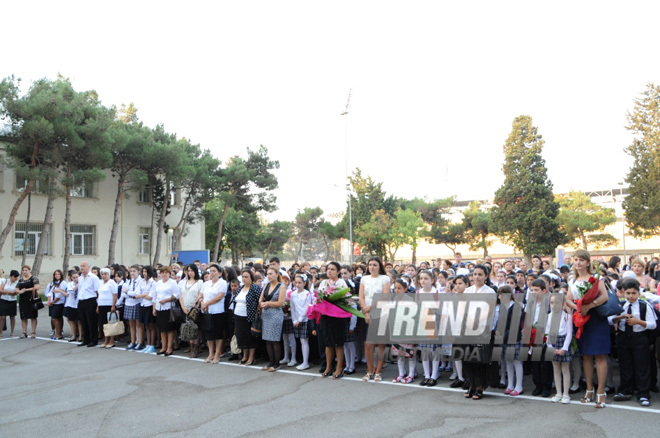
x: 88, y: 291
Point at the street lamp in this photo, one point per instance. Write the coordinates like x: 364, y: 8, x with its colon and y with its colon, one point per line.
x: 350, y: 209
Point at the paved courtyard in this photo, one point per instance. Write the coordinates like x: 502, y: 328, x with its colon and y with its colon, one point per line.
x: 53, y: 388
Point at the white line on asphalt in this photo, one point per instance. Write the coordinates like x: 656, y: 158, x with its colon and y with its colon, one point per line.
x: 357, y: 379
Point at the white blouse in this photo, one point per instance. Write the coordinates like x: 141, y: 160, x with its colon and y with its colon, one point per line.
x: 373, y: 285
x: 241, y: 304
x: 190, y: 292
x: 8, y: 287
x: 106, y: 291
x: 300, y: 302
x: 210, y: 291
x: 164, y: 291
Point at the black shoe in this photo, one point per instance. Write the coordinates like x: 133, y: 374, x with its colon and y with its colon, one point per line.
x: 573, y: 391
x: 432, y: 382
x: 233, y: 357
x: 456, y: 383
x: 424, y: 382
x: 349, y: 372
x: 545, y: 393
x: 655, y: 389
x: 322, y: 369
x: 537, y: 391
x: 622, y: 397
x: 501, y: 385
x: 466, y: 385
x: 92, y: 344
x: 158, y: 353
x: 168, y: 354
x: 82, y: 344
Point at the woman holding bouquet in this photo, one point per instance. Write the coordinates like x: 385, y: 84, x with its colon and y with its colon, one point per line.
x: 595, y: 338
x: 333, y: 328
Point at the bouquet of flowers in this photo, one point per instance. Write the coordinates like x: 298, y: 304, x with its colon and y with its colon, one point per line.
x: 532, y: 336
x: 286, y: 308
x: 588, y: 292
x: 332, y: 301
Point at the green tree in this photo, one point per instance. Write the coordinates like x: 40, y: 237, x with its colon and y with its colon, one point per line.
x: 246, y: 185
x: 448, y: 234
x: 478, y: 225
x: 583, y: 221
x: 306, y: 226
x: 272, y: 237
x: 525, y: 211
x: 436, y: 227
x: 241, y: 229
x: 642, y: 205
x: 375, y: 236
x: 329, y: 233
x: 407, y: 229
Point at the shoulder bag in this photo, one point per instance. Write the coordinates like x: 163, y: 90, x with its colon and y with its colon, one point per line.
x: 114, y: 326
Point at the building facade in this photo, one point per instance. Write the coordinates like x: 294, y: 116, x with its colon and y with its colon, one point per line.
x: 92, y: 213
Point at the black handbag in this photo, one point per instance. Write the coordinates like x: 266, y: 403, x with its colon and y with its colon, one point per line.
x: 257, y: 325
x: 195, y: 313
x: 176, y: 314
x: 36, y: 302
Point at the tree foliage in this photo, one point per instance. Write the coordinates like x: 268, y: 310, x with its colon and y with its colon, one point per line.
x: 642, y: 205
x: 583, y: 221
x: 525, y: 212
x: 478, y: 225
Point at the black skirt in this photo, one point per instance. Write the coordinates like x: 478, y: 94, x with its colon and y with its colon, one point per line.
x: 163, y: 321
x: 56, y: 311
x: 213, y: 325
x: 146, y: 315
x: 244, y: 333
x: 26, y: 308
x: 7, y: 308
x: 71, y: 313
x: 334, y: 331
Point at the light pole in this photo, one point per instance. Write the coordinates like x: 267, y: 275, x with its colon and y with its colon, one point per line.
x: 623, y: 225
x: 348, y: 185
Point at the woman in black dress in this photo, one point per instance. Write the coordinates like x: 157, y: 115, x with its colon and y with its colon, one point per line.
x: 28, y: 287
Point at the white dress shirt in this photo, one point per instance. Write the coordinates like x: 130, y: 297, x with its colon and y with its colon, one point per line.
x: 650, y: 317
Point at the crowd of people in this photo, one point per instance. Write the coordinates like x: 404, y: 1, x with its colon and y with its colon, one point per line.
x: 262, y: 313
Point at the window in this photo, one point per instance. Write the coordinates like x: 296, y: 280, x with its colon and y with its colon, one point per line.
x: 145, y: 195
x: 175, y: 196
x: 145, y: 236
x: 21, y: 184
x: 83, y: 239
x: 84, y: 189
x: 28, y: 245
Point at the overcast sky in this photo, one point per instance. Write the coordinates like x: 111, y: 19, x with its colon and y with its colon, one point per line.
x: 436, y: 84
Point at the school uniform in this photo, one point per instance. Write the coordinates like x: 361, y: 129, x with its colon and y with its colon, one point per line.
x: 542, y: 371
x: 632, y: 344
x: 71, y: 304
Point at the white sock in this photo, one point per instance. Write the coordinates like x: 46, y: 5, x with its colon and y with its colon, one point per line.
x: 509, y: 368
x: 426, y: 364
x: 577, y: 373
x: 412, y: 365
x: 518, y: 366
x: 436, y: 370
x: 503, y: 371
x: 287, y: 348
x: 401, y: 361
x: 350, y: 355
x: 304, y: 344
x: 458, y: 366
x: 292, y: 344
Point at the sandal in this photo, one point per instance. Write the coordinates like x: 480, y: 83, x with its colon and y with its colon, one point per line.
x: 478, y: 394
x: 24, y: 336
x: 587, y: 398
x: 600, y: 404
x: 469, y: 393
x: 328, y: 374
x: 367, y: 377
x: 378, y: 377
x: 337, y: 376
x: 407, y: 379
x: 33, y: 335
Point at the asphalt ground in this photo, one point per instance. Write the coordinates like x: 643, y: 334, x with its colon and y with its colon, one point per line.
x: 54, y: 388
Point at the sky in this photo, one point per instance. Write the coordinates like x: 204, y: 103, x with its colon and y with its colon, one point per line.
x: 435, y: 85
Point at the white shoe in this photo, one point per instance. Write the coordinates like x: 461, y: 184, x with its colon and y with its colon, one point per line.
x: 566, y: 399
x: 556, y: 398
x: 293, y: 363
x: 302, y: 366
x: 283, y: 361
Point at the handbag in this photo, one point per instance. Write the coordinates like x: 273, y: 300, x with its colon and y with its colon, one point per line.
x: 610, y: 308
x: 257, y: 325
x: 114, y: 327
x: 176, y: 314
x: 36, y: 302
x: 189, y: 330
x: 233, y: 345
x: 195, y: 313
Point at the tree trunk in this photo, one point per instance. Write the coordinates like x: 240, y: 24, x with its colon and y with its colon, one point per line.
x: 67, y: 230
x: 181, y: 225
x: 484, y: 245
x: 583, y: 237
x: 115, y: 221
x: 43, y: 239
x: 327, y: 249
x: 299, y: 252
x: 414, y: 258
x: 19, y: 201
x: 218, y: 239
x: 161, y: 221
x: 151, y: 228
x: 27, y: 228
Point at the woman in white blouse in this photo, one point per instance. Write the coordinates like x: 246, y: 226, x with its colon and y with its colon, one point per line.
x: 106, y: 302
x: 165, y: 291
x: 213, y: 317
x: 375, y: 283
x: 8, y: 300
x: 189, y: 289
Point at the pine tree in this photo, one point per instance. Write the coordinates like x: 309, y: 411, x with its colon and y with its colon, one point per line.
x: 642, y: 205
x: 525, y: 211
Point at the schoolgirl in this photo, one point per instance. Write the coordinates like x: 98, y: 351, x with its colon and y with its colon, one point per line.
x: 132, y: 310
x: 288, y: 338
x: 404, y: 352
x: 460, y: 284
x: 563, y: 357
x: 300, y: 300
x: 71, y: 307
x: 511, y: 359
x: 430, y: 361
x: 147, y: 318
x: 56, y: 302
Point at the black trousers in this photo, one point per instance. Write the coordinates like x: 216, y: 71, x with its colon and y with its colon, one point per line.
x: 89, y: 320
x: 542, y: 373
x: 634, y: 363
